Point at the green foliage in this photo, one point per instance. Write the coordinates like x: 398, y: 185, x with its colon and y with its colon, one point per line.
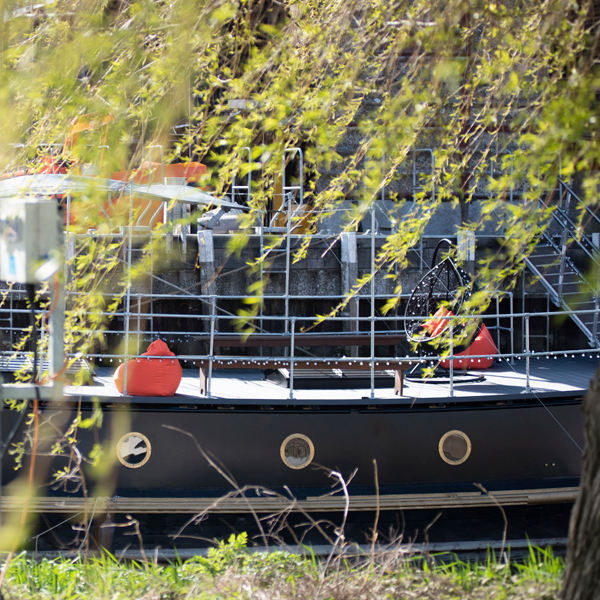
x: 507, y: 83
x: 231, y: 570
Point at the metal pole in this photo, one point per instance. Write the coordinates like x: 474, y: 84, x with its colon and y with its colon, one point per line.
x: 128, y: 292
x: 512, y: 329
x: 522, y: 304
x: 56, y: 328
x: 211, y: 347
x: 286, y: 199
x: 151, y: 283
x: 261, y: 243
x: 595, y: 325
x: 527, y: 387
x: 11, y: 318
x: 452, y: 356
x: 373, y: 300
x: 287, y: 263
x: 248, y: 186
x: 498, y: 322
x: 293, y: 324
x: 68, y: 213
x: 189, y: 113
x: 382, y: 180
x: 547, y: 321
x: 563, y: 259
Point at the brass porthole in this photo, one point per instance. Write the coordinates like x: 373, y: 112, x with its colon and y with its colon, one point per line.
x: 133, y: 450
x: 297, y: 451
x: 455, y: 447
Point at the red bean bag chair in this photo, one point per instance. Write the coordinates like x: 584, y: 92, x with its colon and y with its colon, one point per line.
x: 435, y: 326
x: 157, y: 375
x: 482, y: 345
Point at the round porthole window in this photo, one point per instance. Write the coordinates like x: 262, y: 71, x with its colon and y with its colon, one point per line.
x: 297, y: 451
x: 455, y: 447
x: 133, y: 450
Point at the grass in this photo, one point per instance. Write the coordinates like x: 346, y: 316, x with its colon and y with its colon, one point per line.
x: 230, y: 571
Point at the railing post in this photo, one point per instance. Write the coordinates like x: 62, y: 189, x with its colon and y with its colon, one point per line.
x: 547, y: 322
x: 68, y: 213
x: 512, y: 329
x: 248, y: 187
x: 373, y: 300
x: 563, y: 257
x: 211, y: 346
x: 595, y: 326
x: 286, y: 203
x: 527, y: 386
x: 293, y: 333
x: 452, y: 356
x: 128, y: 292
x: 288, y: 251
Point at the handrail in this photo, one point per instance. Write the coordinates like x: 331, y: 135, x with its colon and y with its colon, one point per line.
x: 287, y: 191
x: 563, y: 220
x: 569, y: 190
x: 247, y: 188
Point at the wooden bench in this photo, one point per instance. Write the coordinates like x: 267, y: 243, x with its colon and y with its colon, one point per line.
x: 398, y: 365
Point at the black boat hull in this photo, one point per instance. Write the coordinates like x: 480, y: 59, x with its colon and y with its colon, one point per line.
x: 515, y: 444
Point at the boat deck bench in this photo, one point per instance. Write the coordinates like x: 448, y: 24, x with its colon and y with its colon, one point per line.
x: 360, y: 364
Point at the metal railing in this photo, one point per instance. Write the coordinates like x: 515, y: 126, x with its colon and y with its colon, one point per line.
x: 215, y: 327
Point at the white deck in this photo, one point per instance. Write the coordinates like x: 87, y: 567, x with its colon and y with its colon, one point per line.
x: 562, y: 374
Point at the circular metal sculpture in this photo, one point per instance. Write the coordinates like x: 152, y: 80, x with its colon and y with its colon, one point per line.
x: 455, y: 447
x: 133, y: 450
x: 297, y: 451
x: 441, y: 292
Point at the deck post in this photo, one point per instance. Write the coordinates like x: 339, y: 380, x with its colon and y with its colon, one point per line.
x: 211, y: 352
x: 56, y: 347
x: 527, y: 386
x: 452, y: 356
x: 349, y: 265
x: 206, y: 264
x: 373, y: 299
x: 128, y: 290
x: 287, y: 202
x: 292, y: 333
x: 206, y: 260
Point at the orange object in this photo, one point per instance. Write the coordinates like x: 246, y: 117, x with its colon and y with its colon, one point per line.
x: 81, y: 124
x: 153, y: 172
x: 435, y: 326
x: 50, y: 165
x: 157, y: 375
x: 149, y: 213
x: 482, y: 345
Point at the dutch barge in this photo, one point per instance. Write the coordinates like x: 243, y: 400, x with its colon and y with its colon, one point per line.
x: 290, y: 435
